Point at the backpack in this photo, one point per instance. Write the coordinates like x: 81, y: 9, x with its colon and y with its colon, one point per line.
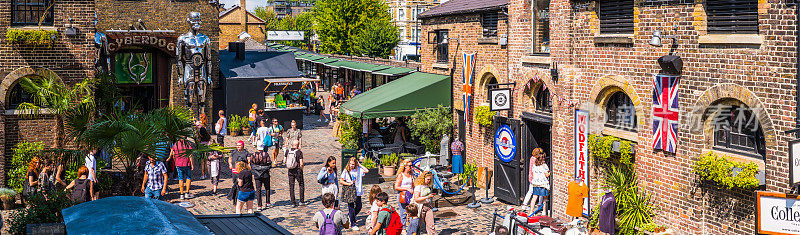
x: 80, y: 193
x: 291, y: 159
x: 395, y: 225
x: 328, y: 227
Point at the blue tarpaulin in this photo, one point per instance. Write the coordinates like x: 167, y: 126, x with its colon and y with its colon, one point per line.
x: 130, y: 215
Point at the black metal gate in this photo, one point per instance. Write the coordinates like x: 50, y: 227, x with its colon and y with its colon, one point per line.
x: 507, y: 177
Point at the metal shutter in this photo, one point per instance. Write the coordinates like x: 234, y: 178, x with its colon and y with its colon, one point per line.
x: 489, y: 23
x: 732, y: 16
x: 616, y: 17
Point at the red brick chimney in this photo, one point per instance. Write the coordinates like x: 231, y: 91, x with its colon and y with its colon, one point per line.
x: 243, y: 6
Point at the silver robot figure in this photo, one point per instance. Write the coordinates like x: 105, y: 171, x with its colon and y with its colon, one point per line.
x: 194, y: 63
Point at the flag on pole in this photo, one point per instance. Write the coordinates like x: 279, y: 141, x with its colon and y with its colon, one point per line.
x: 665, y: 112
x: 466, y: 87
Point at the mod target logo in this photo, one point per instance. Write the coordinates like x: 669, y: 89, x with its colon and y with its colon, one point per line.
x: 505, y: 145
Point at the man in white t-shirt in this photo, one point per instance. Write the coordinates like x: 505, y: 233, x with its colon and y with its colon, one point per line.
x: 221, y: 128
x: 91, y: 164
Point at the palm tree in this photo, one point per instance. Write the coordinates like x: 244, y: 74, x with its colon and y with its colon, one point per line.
x: 52, y: 97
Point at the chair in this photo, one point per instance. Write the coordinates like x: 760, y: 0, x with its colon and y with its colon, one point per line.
x: 413, y: 148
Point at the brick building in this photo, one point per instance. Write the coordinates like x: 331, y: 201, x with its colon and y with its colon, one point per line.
x: 404, y: 15
x: 234, y: 21
x: 149, y: 29
x: 600, y: 60
x: 68, y: 57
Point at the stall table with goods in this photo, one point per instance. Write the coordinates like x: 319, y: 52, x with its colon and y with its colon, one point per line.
x: 285, y: 101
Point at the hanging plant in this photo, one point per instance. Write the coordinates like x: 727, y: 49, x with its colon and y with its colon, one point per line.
x: 718, y: 169
x: 484, y: 116
x: 36, y: 37
x: 602, y: 148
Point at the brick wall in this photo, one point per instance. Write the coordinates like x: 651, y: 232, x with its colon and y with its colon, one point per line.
x: 230, y: 26
x: 466, y: 36
x: 757, y: 70
x: 69, y: 57
x: 167, y: 15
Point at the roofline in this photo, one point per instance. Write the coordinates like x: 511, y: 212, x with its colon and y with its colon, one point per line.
x: 226, y: 12
x: 425, y: 16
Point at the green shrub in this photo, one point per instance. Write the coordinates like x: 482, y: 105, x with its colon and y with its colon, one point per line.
x: 42, y: 209
x: 430, y: 125
x: 369, y: 164
x: 37, y: 37
x: 719, y: 169
x: 484, y: 116
x: 389, y: 160
x: 653, y: 227
x: 469, y: 170
x: 20, y: 158
x: 349, y: 131
x: 633, y: 207
x: 235, y: 124
x: 600, y: 147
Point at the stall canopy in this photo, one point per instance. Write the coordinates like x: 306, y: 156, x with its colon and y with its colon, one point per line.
x: 394, y: 71
x: 130, y: 215
x: 402, y: 97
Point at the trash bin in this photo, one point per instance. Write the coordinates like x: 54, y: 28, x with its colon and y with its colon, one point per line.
x: 346, y: 155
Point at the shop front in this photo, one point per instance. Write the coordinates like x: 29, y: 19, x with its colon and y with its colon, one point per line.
x: 140, y: 62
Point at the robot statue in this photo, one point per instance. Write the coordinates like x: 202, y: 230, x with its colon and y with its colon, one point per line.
x: 102, y: 62
x: 194, y: 63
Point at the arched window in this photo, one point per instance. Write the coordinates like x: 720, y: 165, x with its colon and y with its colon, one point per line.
x: 542, y: 100
x: 620, y: 112
x: 737, y: 129
x: 18, y: 95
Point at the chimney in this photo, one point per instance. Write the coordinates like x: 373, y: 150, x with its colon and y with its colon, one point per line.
x: 242, y: 4
x: 238, y: 48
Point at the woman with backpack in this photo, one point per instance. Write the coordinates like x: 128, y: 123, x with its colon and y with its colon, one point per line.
x: 327, y: 178
x: 82, y: 187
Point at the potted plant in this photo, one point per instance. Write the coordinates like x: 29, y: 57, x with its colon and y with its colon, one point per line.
x: 235, y: 125
x: 389, y: 162
x: 8, y: 196
x: 372, y: 177
x: 655, y: 229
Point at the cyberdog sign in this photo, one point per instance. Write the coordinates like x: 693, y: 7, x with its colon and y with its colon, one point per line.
x: 777, y: 213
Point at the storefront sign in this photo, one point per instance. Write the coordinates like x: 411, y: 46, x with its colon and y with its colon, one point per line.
x: 133, y: 68
x: 285, y: 35
x: 164, y: 42
x: 499, y: 99
x: 505, y: 145
x: 582, y: 151
x: 777, y: 213
x: 794, y: 161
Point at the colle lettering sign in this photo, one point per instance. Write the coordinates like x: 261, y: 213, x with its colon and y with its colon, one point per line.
x: 164, y: 42
x: 582, y: 151
x: 777, y: 213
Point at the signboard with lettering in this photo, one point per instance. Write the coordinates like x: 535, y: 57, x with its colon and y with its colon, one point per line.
x: 777, y: 213
x: 499, y: 99
x: 505, y: 144
x: 285, y: 35
x: 794, y: 162
x: 162, y: 41
x: 582, y: 151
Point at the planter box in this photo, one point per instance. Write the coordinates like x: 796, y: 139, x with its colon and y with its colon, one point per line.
x: 762, y: 178
x: 372, y: 177
x: 346, y: 155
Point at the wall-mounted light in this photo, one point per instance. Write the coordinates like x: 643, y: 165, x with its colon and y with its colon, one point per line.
x: 70, y: 29
x: 655, y: 40
x: 670, y: 64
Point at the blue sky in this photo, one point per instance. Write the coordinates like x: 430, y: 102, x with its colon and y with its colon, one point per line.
x: 251, y: 4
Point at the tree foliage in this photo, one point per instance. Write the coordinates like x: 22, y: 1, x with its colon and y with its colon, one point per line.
x: 377, y: 39
x: 339, y: 24
x: 430, y: 125
x: 303, y: 22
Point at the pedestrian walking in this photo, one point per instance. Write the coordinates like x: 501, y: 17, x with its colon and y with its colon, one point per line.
x: 260, y: 165
x: 539, y: 184
x: 412, y: 216
x: 237, y: 155
x: 388, y: 221
x: 262, y: 133
x: 327, y: 178
x: 404, y: 185
x: 91, y: 163
x: 352, y: 188
x: 214, y: 167
x: 245, y: 182
x: 293, y: 134
x: 31, y: 186
x: 81, y: 188
x: 422, y: 196
x: 205, y: 138
x: 154, y: 184
x: 251, y: 119
x: 330, y: 221
x: 294, y: 164
x: 275, y: 132
x: 374, y: 208
x: 184, y: 164
x: 323, y: 114
x: 221, y: 128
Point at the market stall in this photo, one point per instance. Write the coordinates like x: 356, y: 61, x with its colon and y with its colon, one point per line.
x: 284, y: 99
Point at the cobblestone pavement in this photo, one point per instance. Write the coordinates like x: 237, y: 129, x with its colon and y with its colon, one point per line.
x: 318, y: 143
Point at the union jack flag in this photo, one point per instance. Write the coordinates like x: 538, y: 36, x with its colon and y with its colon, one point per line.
x: 665, y: 112
x: 466, y: 86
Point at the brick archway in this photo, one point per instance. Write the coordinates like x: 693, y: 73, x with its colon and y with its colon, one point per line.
x: 482, y: 80
x: 11, y: 79
x: 608, y: 85
x: 530, y: 85
x: 723, y: 93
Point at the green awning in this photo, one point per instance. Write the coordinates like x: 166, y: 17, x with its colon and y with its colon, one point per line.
x: 325, y: 60
x: 394, y: 71
x: 401, y: 97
